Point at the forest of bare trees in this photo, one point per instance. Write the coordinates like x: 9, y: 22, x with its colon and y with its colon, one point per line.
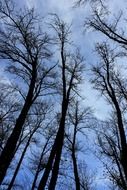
x: 49, y: 135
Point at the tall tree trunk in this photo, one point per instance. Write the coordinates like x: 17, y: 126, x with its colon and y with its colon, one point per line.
x: 48, y: 168
x: 77, y: 181
x: 39, y: 165
x: 121, y: 129
x: 123, y: 143
x: 56, y: 150
x: 36, y: 174
x: 123, y: 181
x: 122, y: 138
x: 55, y: 170
x: 73, y: 155
x: 20, y: 161
x: 9, y: 149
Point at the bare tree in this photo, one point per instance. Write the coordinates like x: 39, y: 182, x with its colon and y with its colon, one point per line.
x: 78, y: 120
x: 71, y: 68
x: 41, y: 161
x: 105, y: 81
x: 34, y: 122
x: 109, y: 152
x: 25, y: 48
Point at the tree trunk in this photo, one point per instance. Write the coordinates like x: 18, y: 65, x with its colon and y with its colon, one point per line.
x: 48, y: 168
x: 38, y: 168
x: 122, y: 134
x: 35, y: 178
x: 9, y: 149
x: 122, y: 137
x: 55, y: 170
x: 77, y: 181
x: 56, y: 151
x: 19, y: 163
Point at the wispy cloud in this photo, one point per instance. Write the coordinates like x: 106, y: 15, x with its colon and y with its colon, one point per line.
x: 31, y: 3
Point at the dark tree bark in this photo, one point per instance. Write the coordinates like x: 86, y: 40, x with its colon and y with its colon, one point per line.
x: 78, y: 119
x: 9, y: 149
x: 57, y: 146
x: 22, y: 157
x: 106, y: 82
x: 75, y: 119
x: 25, y: 48
x: 60, y: 141
x: 40, y: 163
x: 71, y: 77
x: 108, y: 140
x: 77, y: 180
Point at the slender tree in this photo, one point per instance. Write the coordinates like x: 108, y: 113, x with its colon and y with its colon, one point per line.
x: 105, y: 81
x: 25, y: 48
x: 71, y: 68
x: 36, y: 120
x: 41, y: 162
x: 109, y: 152
x: 78, y: 120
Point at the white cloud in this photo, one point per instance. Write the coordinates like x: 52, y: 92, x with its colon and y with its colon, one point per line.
x: 31, y: 3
